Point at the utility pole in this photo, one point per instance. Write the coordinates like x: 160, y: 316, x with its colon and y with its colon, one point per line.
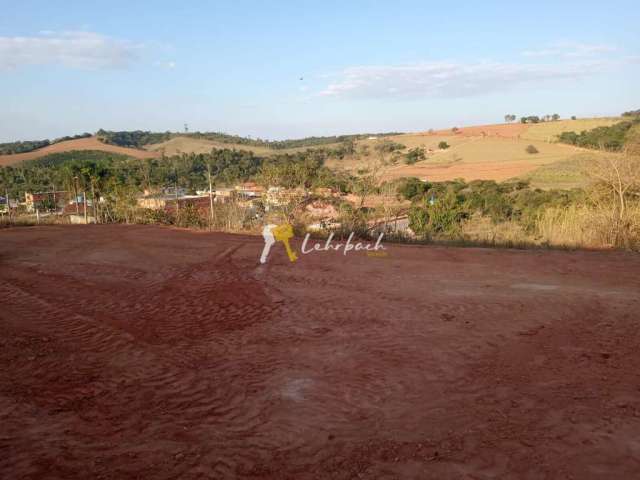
x: 6, y: 197
x: 210, y: 198
x: 84, y: 202
x: 75, y: 191
x: 93, y: 202
x: 175, y: 186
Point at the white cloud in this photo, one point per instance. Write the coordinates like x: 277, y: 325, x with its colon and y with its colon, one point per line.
x: 570, y: 50
x: 449, y: 79
x: 76, y: 49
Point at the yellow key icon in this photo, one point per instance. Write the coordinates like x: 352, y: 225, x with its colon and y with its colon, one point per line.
x: 283, y: 233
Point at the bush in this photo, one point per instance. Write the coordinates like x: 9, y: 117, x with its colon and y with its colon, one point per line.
x: 443, y: 145
x: 412, y: 187
x: 442, y: 216
x: 531, y: 149
x: 414, y: 155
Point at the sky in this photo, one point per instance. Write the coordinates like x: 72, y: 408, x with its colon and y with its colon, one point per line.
x: 290, y: 69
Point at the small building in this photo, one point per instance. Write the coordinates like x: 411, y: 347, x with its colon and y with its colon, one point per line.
x: 397, y: 225
x: 320, y: 209
x: 249, y: 189
x: 324, y: 226
x: 224, y: 195
x: 155, y: 201
x: 52, y: 200
x: 279, y: 196
x: 199, y: 202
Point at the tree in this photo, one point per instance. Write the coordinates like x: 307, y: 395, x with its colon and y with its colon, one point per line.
x: 616, y: 182
x: 530, y: 119
x: 555, y: 117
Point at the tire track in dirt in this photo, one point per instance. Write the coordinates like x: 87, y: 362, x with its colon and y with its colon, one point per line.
x: 138, y: 358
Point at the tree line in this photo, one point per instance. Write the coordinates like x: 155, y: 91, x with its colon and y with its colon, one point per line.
x: 614, y: 138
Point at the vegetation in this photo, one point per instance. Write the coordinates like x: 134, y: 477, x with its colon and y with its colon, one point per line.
x: 30, y: 145
x: 536, y: 119
x: 606, y: 214
x: 138, y: 139
x: 443, y: 145
x: 414, y: 155
x: 135, y: 139
x: 531, y: 149
x: 631, y: 113
x: 611, y: 138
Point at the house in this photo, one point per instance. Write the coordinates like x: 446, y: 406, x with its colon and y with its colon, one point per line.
x: 199, y: 202
x: 320, y: 209
x: 323, y: 226
x: 397, y: 225
x: 154, y: 201
x: 224, y: 195
x: 52, y: 200
x: 279, y: 196
x: 174, y: 191
x: 249, y: 189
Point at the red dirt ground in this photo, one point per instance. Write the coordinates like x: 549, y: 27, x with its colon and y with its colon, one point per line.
x: 90, y: 143
x: 146, y: 352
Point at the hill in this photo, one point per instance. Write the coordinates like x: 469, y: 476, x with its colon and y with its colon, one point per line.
x: 489, y: 152
x: 484, y: 152
x: 90, y: 143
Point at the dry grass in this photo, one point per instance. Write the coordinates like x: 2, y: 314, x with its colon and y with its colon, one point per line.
x: 577, y: 226
x: 179, y: 145
x: 470, y: 158
x: 591, y: 227
x: 548, y: 131
x: 80, y: 144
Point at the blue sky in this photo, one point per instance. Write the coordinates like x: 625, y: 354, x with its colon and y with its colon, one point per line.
x: 236, y: 67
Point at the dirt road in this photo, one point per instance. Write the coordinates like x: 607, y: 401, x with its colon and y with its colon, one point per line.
x: 146, y: 352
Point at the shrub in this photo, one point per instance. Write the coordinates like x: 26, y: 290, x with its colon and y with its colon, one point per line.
x: 412, y: 187
x: 442, y: 216
x: 414, y: 155
x: 531, y: 149
x: 443, y: 145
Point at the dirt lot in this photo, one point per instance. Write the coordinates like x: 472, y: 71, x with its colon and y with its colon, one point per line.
x: 146, y: 352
